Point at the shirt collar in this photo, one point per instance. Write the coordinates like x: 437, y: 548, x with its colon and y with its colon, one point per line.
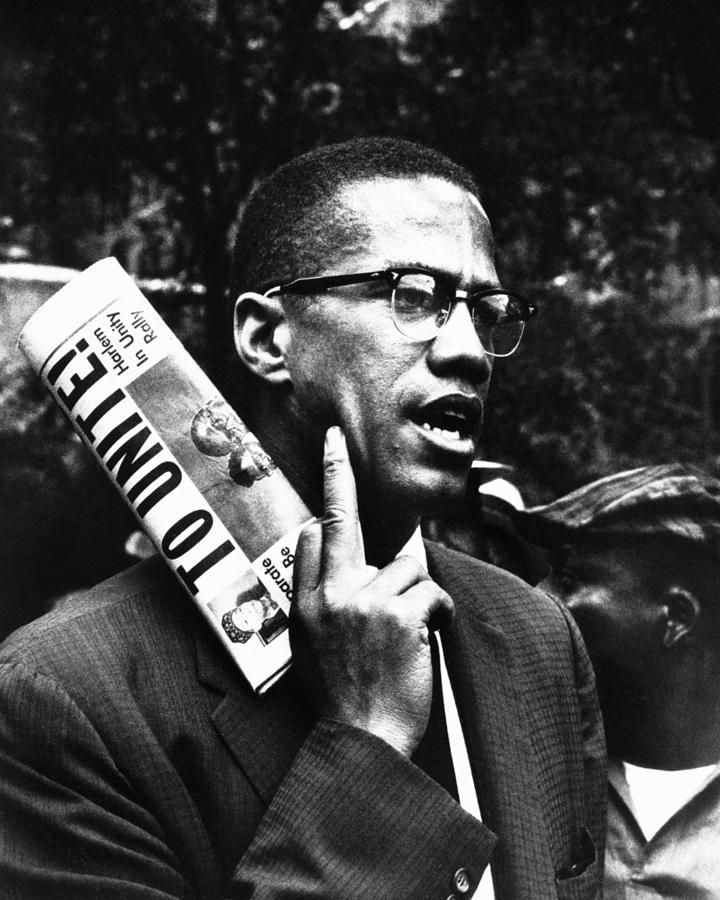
x: 415, y: 548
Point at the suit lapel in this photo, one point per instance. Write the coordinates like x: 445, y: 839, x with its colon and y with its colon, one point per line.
x: 494, y: 722
x: 263, y: 734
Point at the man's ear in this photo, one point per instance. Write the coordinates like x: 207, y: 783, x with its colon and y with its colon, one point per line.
x: 682, y: 613
x: 262, y: 336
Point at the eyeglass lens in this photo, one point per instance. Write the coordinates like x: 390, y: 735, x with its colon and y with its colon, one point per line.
x: 422, y: 304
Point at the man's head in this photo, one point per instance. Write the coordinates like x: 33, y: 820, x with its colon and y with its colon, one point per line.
x: 295, y: 224
x: 411, y: 409
x: 636, y: 558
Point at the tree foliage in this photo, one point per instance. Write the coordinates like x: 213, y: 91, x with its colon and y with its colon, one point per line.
x: 597, y: 388
x: 592, y: 127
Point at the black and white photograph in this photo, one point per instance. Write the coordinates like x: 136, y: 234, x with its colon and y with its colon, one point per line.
x: 360, y: 450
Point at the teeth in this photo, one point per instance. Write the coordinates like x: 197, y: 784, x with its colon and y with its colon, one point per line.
x: 443, y: 432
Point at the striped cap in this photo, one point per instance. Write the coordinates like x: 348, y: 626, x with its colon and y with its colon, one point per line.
x: 671, y: 499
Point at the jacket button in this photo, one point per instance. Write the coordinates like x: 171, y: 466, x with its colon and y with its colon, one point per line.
x: 461, y: 881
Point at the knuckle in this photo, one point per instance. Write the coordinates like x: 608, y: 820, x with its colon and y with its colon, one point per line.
x: 435, y: 596
x: 334, y: 468
x: 335, y: 514
x: 413, y: 568
x: 427, y: 592
x: 444, y: 599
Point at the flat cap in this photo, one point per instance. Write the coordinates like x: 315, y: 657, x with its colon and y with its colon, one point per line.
x: 673, y: 500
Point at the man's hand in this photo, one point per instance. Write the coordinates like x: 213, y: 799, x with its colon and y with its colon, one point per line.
x: 359, y: 635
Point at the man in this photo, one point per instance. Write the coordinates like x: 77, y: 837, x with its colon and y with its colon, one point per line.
x: 635, y: 557
x: 138, y: 763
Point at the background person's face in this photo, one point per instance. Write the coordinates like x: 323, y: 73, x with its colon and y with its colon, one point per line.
x: 411, y: 410
x: 608, y: 595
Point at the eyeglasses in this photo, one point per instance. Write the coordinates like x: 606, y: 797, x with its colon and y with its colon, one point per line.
x: 421, y: 303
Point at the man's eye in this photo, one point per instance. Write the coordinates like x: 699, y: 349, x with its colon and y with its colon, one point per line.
x: 417, y: 292
x: 411, y: 298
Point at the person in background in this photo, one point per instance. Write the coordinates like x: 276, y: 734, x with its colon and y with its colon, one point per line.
x: 135, y: 761
x: 636, y: 558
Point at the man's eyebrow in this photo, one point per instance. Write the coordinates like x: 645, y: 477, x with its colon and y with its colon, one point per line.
x: 446, y: 274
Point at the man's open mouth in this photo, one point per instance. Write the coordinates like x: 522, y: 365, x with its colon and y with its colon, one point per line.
x: 454, y: 418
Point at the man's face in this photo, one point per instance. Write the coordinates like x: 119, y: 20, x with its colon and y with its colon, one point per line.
x: 608, y: 595
x: 411, y: 410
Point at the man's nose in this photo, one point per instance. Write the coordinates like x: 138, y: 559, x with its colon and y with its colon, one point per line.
x: 458, y: 348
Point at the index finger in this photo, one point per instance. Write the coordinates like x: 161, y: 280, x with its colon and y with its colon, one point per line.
x: 343, y: 546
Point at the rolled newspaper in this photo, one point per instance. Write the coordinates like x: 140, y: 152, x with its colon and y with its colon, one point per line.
x: 217, y: 508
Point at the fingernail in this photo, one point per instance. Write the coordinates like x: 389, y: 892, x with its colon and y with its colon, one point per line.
x: 335, y: 442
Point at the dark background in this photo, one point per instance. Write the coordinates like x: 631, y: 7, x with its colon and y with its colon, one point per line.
x: 137, y: 128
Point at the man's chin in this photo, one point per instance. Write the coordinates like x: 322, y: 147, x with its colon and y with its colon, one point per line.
x: 413, y: 488
x: 440, y: 493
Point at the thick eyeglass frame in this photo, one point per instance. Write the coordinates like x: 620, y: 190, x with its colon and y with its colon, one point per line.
x: 392, y: 277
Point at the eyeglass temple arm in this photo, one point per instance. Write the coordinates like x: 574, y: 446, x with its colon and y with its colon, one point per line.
x: 327, y: 281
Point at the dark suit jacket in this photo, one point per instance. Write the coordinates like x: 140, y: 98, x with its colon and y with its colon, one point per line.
x: 134, y: 762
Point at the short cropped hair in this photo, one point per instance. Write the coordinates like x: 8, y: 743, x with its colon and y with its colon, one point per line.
x: 292, y: 226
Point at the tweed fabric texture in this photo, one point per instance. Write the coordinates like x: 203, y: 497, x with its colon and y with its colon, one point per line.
x: 135, y: 762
